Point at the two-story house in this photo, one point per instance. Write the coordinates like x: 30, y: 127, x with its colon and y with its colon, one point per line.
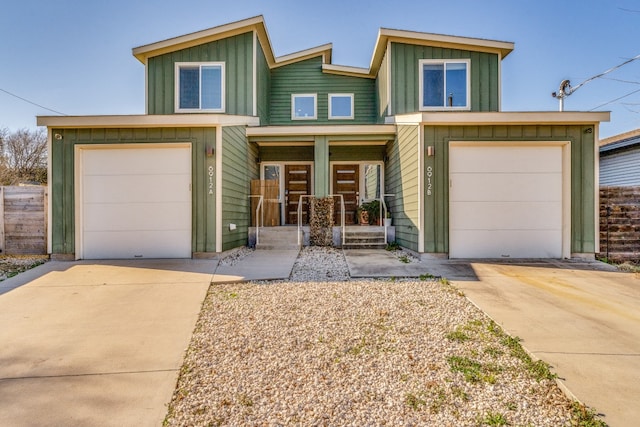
x: 422, y: 123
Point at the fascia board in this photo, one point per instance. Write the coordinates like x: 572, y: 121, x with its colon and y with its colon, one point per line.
x: 144, y: 121
x: 498, y: 118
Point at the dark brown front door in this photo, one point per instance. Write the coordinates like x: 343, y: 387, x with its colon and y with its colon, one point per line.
x: 297, y: 182
x: 346, y: 181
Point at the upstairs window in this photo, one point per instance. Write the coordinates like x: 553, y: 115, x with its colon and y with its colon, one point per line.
x: 444, y: 84
x: 200, y: 87
x: 340, y: 106
x: 304, y: 106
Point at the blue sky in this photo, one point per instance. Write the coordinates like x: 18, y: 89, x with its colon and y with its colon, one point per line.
x: 74, y: 56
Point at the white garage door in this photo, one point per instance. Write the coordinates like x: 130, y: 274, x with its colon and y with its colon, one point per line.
x: 505, y: 201
x: 136, y: 202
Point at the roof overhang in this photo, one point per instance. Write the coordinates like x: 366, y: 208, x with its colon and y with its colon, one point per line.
x: 467, y: 118
x: 147, y: 121
x: 322, y: 130
x: 386, y: 35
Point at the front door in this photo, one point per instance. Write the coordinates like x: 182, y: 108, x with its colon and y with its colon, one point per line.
x: 346, y: 181
x: 297, y: 182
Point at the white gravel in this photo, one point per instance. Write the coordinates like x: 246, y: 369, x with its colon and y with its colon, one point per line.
x: 324, y: 350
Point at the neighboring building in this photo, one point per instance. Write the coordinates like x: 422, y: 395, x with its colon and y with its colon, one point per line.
x: 620, y: 160
x: 467, y: 179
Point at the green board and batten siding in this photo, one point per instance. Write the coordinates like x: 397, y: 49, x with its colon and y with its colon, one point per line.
x: 484, y: 83
x: 402, y: 180
x: 263, y: 83
x: 582, y: 142
x: 239, y: 167
x: 237, y: 54
x: 307, y: 77
x: 63, y: 178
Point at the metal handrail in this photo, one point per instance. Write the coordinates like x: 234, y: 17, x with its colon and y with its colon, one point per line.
x: 300, y: 214
x: 258, y: 209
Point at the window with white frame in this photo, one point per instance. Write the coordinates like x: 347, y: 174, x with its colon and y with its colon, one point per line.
x: 304, y: 106
x: 444, y: 84
x: 340, y: 106
x: 200, y: 87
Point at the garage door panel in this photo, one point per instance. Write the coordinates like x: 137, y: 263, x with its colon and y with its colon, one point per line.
x: 143, y: 244
x: 136, y: 202
x: 144, y: 161
x: 497, y: 159
x: 506, y: 244
x: 136, y: 188
x: 506, y: 201
x: 507, y: 187
x: 506, y: 216
x: 136, y: 216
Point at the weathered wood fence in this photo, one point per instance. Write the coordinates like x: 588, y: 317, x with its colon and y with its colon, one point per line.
x: 620, y: 223
x: 23, y: 220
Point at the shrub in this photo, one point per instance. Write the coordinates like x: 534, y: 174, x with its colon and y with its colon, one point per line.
x: 321, y: 223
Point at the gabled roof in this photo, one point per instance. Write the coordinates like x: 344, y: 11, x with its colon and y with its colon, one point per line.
x: 385, y: 35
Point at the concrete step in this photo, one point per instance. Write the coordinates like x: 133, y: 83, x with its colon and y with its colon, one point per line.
x: 356, y: 245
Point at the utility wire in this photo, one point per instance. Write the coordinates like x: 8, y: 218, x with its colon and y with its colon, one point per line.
x: 573, y: 89
x: 614, y: 100
x: 30, y: 102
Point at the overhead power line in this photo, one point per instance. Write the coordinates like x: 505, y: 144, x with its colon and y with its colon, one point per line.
x: 31, y: 102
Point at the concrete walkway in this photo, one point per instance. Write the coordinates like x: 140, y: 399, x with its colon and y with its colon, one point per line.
x: 258, y: 265
x: 96, y: 343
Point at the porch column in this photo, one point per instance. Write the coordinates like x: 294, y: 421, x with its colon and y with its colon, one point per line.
x: 321, y: 173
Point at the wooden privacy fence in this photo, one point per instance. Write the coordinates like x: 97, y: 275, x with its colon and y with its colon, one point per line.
x: 269, y: 190
x: 23, y: 220
x: 620, y: 223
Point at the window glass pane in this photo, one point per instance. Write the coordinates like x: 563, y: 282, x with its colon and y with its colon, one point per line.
x: 433, y: 85
x: 372, y: 182
x: 189, y: 87
x: 456, y: 85
x: 211, y: 87
x: 272, y: 172
x: 304, y: 106
x: 340, y: 106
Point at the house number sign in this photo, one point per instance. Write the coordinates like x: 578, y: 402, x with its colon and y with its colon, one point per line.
x: 210, y: 173
x: 429, y: 180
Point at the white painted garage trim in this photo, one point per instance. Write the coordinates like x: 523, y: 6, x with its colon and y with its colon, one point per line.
x: 219, y: 189
x: 565, y: 150
x: 79, y: 169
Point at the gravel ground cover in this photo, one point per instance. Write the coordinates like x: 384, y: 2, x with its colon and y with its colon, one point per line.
x: 10, y: 265
x: 321, y: 349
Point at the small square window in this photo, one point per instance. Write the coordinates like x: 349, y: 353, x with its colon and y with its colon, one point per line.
x: 444, y: 84
x: 200, y: 87
x: 303, y: 106
x: 340, y: 106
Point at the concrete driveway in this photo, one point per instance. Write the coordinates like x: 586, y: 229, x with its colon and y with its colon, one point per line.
x: 96, y: 343
x: 584, y: 322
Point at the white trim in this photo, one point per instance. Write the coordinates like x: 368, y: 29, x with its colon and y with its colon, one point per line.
x: 351, y: 97
x: 218, y: 189
x: 322, y: 50
x: 389, y: 79
x: 421, y: 198
x: 469, y: 118
x: 345, y: 70
x: 49, y: 194
x: 315, y: 130
x: 78, y: 150
x: 304, y: 95
x: 444, y: 62
x: 148, y: 121
x: 176, y: 87
x: 255, y: 73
